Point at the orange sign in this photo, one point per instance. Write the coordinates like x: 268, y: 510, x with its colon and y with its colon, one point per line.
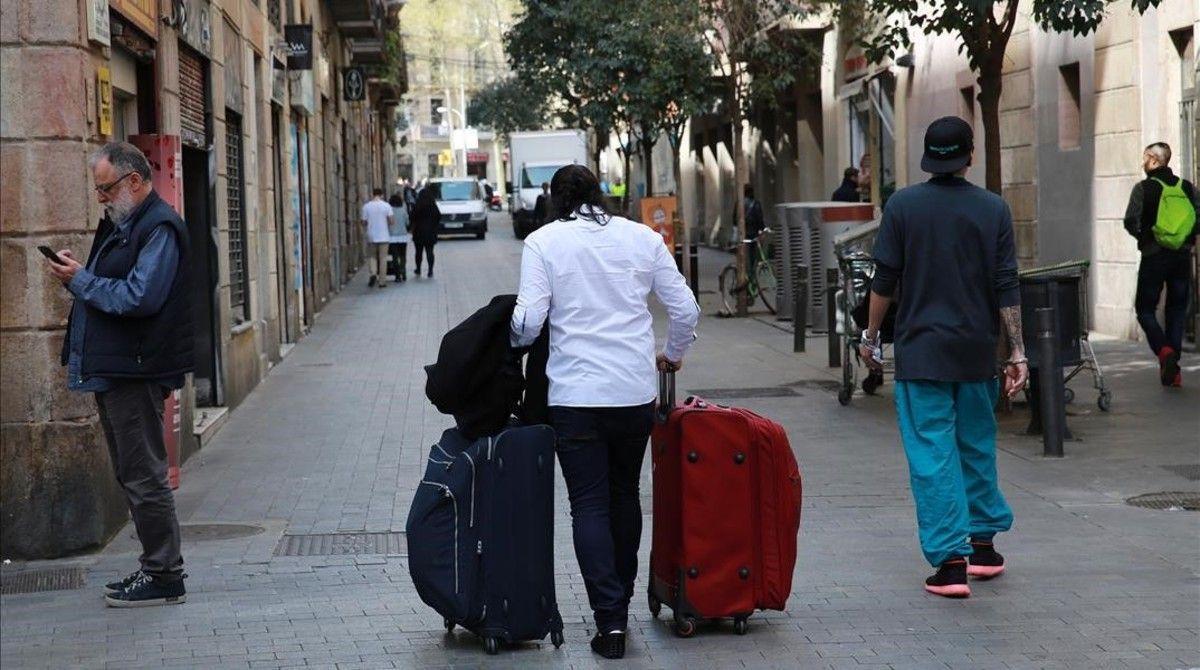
x: 659, y: 214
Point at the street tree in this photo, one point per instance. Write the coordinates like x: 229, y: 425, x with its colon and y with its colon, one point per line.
x: 508, y: 105
x: 758, y: 57
x: 983, y: 29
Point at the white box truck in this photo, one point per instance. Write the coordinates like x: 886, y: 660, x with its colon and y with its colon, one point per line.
x: 533, y: 158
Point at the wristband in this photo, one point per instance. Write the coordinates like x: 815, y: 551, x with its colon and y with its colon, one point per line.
x: 1019, y: 361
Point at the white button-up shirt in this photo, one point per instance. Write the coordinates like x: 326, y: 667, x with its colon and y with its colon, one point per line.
x: 593, y: 281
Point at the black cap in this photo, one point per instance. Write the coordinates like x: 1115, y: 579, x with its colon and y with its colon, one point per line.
x: 948, y: 145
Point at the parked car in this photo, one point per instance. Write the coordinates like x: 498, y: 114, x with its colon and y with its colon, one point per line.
x: 461, y: 201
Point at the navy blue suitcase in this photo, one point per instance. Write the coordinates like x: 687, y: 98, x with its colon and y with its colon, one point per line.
x: 481, y: 535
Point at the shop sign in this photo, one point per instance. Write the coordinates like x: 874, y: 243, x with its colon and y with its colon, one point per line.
x: 141, y: 13
x: 303, y: 96
x: 445, y: 158
x: 855, y: 64
x: 659, y: 214
x: 193, y: 20
x: 354, y: 84
x: 299, y: 38
x: 104, y: 101
x: 98, y: 29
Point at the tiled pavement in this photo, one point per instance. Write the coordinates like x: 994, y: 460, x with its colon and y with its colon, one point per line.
x: 335, y: 438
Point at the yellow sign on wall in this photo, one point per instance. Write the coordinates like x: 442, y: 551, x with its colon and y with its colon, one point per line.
x: 104, y: 100
x: 445, y: 158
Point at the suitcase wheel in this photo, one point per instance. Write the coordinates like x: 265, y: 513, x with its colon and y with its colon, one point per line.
x: 741, y: 625
x: 491, y: 645
x: 655, y: 605
x: 449, y: 625
x: 556, y: 638
x: 685, y: 626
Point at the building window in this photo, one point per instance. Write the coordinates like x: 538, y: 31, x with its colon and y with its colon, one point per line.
x: 966, y: 106
x: 1068, y: 107
x: 1188, y: 151
x: 435, y: 117
x: 238, y: 276
x: 274, y: 14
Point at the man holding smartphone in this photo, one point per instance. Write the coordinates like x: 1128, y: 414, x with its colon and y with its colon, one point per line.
x: 950, y: 245
x: 129, y: 341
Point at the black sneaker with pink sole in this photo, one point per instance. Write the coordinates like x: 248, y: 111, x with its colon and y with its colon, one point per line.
x: 950, y: 581
x: 986, y: 562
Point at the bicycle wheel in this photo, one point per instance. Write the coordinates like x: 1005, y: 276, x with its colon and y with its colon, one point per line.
x: 766, y: 284
x: 727, y: 286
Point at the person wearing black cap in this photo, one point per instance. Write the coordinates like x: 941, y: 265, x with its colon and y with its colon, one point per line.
x: 949, y: 244
x: 848, y: 191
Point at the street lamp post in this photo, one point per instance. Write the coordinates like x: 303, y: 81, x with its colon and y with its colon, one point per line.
x: 444, y: 109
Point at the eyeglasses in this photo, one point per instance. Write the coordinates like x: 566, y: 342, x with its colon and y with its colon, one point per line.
x: 106, y: 188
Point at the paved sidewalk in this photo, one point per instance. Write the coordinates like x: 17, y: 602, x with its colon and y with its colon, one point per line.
x: 334, y: 441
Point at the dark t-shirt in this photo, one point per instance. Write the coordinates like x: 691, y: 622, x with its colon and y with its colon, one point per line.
x: 950, y: 245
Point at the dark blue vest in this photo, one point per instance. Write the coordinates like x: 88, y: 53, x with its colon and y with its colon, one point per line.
x: 151, y: 347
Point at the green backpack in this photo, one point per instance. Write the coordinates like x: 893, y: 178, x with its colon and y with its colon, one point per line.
x: 1176, y: 216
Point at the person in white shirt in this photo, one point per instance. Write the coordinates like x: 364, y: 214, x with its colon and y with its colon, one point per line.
x: 592, y: 273
x: 377, y: 216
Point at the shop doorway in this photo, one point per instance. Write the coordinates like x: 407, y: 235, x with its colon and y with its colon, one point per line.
x: 198, y: 210
x: 281, y: 264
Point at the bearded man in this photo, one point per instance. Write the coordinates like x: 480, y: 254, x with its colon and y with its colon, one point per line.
x: 129, y: 342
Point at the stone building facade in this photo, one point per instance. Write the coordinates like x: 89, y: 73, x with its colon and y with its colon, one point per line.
x: 1075, y: 114
x: 265, y: 156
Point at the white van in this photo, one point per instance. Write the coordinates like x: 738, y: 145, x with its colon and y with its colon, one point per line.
x: 462, y: 204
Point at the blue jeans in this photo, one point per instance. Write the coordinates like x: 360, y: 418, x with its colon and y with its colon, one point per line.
x: 949, y: 434
x: 1172, y: 269
x: 600, y: 450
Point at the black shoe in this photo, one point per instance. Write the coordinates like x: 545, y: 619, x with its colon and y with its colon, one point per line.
x: 417, y: 274
x: 430, y: 274
x: 146, y: 591
x: 950, y: 580
x: 609, y: 645
x: 114, y: 587
x: 986, y: 562
x: 371, y: 281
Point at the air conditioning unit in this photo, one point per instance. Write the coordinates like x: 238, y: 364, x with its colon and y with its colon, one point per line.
x: 806, y: 232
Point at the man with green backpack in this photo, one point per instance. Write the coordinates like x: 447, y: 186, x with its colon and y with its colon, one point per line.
x: 1162, y: 217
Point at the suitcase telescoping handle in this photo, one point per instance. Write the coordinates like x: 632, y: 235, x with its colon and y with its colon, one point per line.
x: 666, y: 395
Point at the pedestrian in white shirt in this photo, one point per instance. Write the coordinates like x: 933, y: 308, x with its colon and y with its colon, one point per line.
x: 592, y: 274
x: 377, y: 215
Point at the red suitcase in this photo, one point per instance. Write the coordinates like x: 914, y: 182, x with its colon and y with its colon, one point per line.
x: 726, y: 512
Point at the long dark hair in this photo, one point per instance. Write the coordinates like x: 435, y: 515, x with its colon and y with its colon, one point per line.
x: 572, y: 187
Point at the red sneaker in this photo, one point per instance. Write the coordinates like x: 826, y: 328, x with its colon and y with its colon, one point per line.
x: 1168, y: 365
x: 1178, y: 383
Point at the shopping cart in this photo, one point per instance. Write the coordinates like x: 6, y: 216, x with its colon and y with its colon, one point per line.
x: 1076, y: 318
x: 856, y: 269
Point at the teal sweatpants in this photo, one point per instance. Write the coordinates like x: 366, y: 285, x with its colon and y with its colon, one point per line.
x: 949, y: 434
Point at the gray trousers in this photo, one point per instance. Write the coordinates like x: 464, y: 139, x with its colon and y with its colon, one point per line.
x: 132, y: 417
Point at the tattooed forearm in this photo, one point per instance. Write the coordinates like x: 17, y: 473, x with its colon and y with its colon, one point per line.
x: 1010, y: 317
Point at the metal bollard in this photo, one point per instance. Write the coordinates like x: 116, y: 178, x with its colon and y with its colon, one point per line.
x: 831, y: 316
x: 800, y: 311
x: 1050, y: 383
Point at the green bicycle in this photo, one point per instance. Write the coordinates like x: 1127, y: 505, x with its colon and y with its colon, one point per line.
x: 760, y: 279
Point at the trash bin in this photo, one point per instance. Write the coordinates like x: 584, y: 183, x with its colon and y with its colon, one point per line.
x: 1063, y: 294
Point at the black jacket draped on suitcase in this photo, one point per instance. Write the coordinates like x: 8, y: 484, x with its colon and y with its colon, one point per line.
x: 478, y: 378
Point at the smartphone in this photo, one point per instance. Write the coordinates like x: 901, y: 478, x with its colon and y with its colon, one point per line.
x: 49, y: 253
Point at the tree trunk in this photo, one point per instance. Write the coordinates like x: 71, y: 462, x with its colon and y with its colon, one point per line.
x: 625, y: 177
x: 686, y: 237
x: 990, y: 84
x: 647, y: 162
